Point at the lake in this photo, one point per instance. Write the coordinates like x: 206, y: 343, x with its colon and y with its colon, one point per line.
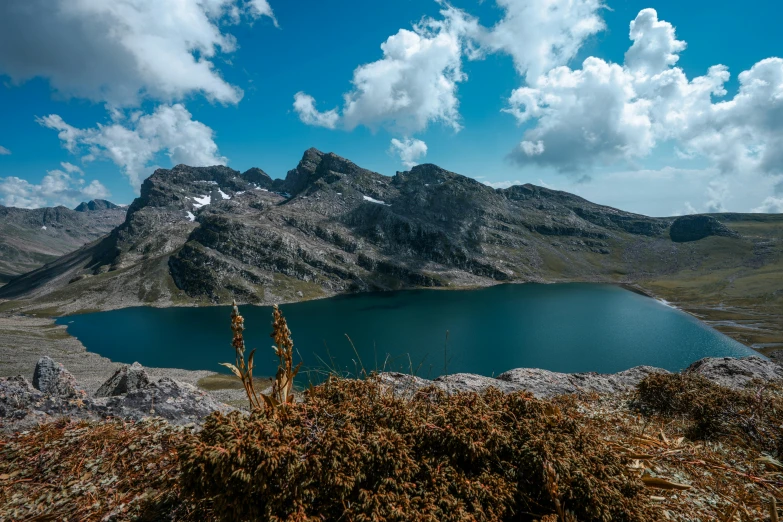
x: 571, y: 327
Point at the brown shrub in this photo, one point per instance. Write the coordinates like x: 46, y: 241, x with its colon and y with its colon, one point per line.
x: 750, y: 416
x: 86, y: 471
x: 353, y: 451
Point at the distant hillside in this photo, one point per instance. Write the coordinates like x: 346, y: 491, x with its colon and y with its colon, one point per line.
x: 30, y: 238
x: 211, y: 234
x: 95, y: 204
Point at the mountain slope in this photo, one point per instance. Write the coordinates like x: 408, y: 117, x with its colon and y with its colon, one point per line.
x: 29, y: 238
x: 211, y: 234
x: 95, y: 204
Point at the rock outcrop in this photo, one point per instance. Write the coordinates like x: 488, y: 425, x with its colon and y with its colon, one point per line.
x: 177, y: 402
x: 52, y: 378
x: 95, y: 204
x: 125, y: 380
x: 736, y: 373
x: 732, y: 373
x: 55, y: 393
x: 541, y: 383
x: 696, y: 227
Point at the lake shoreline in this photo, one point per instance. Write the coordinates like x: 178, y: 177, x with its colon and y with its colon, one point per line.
x: 91, y: 369
x: 703, y: 313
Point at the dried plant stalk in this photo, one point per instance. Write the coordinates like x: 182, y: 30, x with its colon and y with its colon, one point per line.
x: 283, y: 387
x: 241, y: 369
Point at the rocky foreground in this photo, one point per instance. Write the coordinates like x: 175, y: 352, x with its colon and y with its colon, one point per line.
x: 702, y: 445
x: 130, y: 393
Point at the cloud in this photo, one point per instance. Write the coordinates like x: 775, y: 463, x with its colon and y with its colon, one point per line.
x: 56, y: 188
x: 655, y: 46
x: 304, y: 105
x: 4, y: 151
x: 607, y: 112
x: 260, y: 8
x: 70, y: 168
x: 123, y: 52
x: 412, y: 85
x: 134, y: 143
x: 503, y: 184
x: 581, y: 116
x: 541, y: 34
x: 410, y: 150
x: 770, y: 205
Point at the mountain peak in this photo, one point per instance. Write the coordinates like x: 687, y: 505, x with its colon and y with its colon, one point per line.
x: 95, y: 204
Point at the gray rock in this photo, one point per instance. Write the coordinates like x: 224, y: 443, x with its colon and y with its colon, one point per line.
x: 541, y: 383
x: 124, y: 380
x: 736, y: 373
x: 403, y: 384
x: 696, y: 227
x: 612, y: 382
x: 471, y: 382
x: 52, y: 378
x: 177, y: 402
x: 23, y: 406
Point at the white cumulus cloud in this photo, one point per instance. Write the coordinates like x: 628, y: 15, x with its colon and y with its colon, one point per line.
x: 409, y: 150
x: 133, y: 144
x: 412, y: 85
x: 70, y: 168
x: 4, y: 151
x: 541, y: 34
x: 582, y: 116
x: 304, y: 105
x: 56, y: 188
x: 123, y: 52
x: 605, y: 112
x: 262, y: 8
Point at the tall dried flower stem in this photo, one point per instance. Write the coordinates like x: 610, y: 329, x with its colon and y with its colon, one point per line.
x: 241, y: 369
x: 283, y: 387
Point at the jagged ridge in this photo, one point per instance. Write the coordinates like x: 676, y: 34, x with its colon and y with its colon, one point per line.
x: 213, y: 234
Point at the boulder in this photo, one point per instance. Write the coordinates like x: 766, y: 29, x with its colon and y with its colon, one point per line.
x: 693, y: 228
x: 471, y: 382
x: 125, y: 380
x: 736, y: 373
x: 541, y: 383
x: 52, y: 378
x: 175, y: 401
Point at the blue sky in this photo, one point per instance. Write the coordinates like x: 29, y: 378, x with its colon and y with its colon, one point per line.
x: 130, y: 89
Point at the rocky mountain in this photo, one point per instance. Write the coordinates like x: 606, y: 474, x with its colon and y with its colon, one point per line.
x: 95, y: 204
x: 212, y: 234
x: 30, y: 238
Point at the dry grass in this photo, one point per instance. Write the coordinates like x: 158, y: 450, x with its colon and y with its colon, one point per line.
x: 748, y: 418
x: 83, y: 471
x: 353, y: 450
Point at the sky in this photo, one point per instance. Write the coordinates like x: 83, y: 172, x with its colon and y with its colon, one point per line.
x: 660, y: 107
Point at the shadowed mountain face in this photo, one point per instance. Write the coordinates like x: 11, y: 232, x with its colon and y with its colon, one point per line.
x: 95, y: 204
x: 29, y: 238
x: 211, y: 234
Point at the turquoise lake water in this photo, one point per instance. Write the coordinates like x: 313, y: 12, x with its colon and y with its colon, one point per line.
x: 561, y: 327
